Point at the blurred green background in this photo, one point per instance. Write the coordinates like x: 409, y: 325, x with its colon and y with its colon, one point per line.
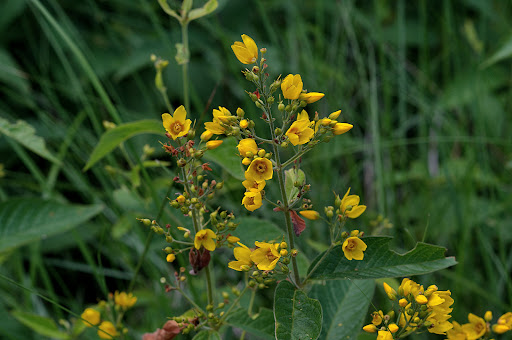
x: 426, y: 84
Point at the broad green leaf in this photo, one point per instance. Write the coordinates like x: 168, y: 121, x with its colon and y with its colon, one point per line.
x: 112, y: 138
x: 344, y: 306
x: 292, y: 177
x: 262, y: 325
x: 28, y: 219
x: 379, y: 261
x: 208, y: 7
x: 25, y: 134
x: 297, y: 317
x: 227, y: 157
x: 40, y: 324
x: 253, y: 229
x: 503, y: 53
x: 207, y: 335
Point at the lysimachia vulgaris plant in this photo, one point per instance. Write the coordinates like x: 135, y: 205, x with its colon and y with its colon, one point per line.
x: 303, y: 306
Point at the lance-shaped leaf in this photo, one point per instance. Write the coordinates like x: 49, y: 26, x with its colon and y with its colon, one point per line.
x: 25, y: 220
x: 379, y: 262
x: 344, y: 306
x: 112, y: 138
x: 297, y: 317
x: 261, y: 325
x: 25, y: 134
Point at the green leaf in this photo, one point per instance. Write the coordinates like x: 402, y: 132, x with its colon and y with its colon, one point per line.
x: 207, y: 335
x: 293, y: 176
x: 208, y: 7
x: 227, y: 157
x: 112, y: 138
x: 40, y: 324
x: 28, y: 219
x: 261, y: 325
x: 379, y: 262
x: 297, y: 317
x: 344, y: 306
x: 252, y: 229
x: 25, y: 134
x: 168, y: 10
x: 503, y: 53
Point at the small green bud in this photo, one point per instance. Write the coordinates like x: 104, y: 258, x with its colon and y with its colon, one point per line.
x: 261, y: 286
x: 259, y: 105
x: 221, y: 305
x: 278, y: 131
x: 223, y: 214
x: 146, y: 222
x: 168, y: 239
x: 181, y: 162
x: 280, y: 107
x: 168, y: 250
x: 284, y: 145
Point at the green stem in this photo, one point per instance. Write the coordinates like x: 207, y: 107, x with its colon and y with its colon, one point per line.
x: 209, y: 286
x: 190, y: 300
x: 251, y: 303
x: 184, y: 41
x: 318, y: 263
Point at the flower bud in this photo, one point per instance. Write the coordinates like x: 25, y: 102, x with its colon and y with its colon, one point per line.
x: 335, y: 115
x: 280, y: 107
x: 244, y: 124
x: 389, y: 291
x: 213, y: 144
x: 205, y: 136
x: 393, y: 328
x: 170, y: 258
x: 371, y: 328
x: 278, y: 131
x: 181, y: 162
x: 310, y: 214
x: 403, y: 302
x: 261, y: 153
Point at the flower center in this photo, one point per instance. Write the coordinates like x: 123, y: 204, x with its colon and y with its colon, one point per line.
x: 270, y: 256
x: 351, y: 245
x: 261, y: 168
x: 250, y: 201
x: 177, y: 127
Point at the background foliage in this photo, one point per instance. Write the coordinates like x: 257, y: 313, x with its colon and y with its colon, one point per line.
x: 426, y: 84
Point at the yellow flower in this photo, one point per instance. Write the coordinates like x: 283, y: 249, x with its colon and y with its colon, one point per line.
x: 350, y: 205
x: 385, y: 335
x: 247, y: 145
x: 246, y: 51
x: 475, y: 328
x: 311, y: 97
x: 377, y: 318
x: 170, y: 258
x: 124, y: 300
x: 299, y: 132
x: 340, y: 128
x: 243, y: 258
x: 353, y: 248
x: 456, y: 333
x: 291, y: 86
x: 259, y: 170
x: 252, y: 200
x: 216, y: 126
x: 253, y: 186
x: 506, y: 319
x: 92, y: 316
x: 213, y: 144
x: 310, y: 214
x: 176, y: 125
x: 205, y: 238
x: 107, y: 330
x: 265, y: 256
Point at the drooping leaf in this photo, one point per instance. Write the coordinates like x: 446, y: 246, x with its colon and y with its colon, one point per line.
x: 25, y: 134
x: 207, y: 335
x: 208, y: 8
x: 379, y: 262
x: 298, y: 223
x: 503, y: 53
x: 293, y: 179
x: 262, y: 325
x: 40, y: 324
x: 28, y: 219
x: 112, y: 138
x: 168, y: 10
x: 297, y: 317
x: 344, y: 306
x: 227, y: 157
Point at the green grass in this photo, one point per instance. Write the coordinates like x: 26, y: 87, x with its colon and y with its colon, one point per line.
x: 430, y: 149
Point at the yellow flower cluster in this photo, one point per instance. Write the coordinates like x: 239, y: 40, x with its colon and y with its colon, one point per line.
x: 418, y: 308
x: 259, y: 171
x: 265, y: 256
x: 478, y: 327
x: 106, y: 329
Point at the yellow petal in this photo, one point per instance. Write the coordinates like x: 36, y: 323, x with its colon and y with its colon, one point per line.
x: 180, y: 114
